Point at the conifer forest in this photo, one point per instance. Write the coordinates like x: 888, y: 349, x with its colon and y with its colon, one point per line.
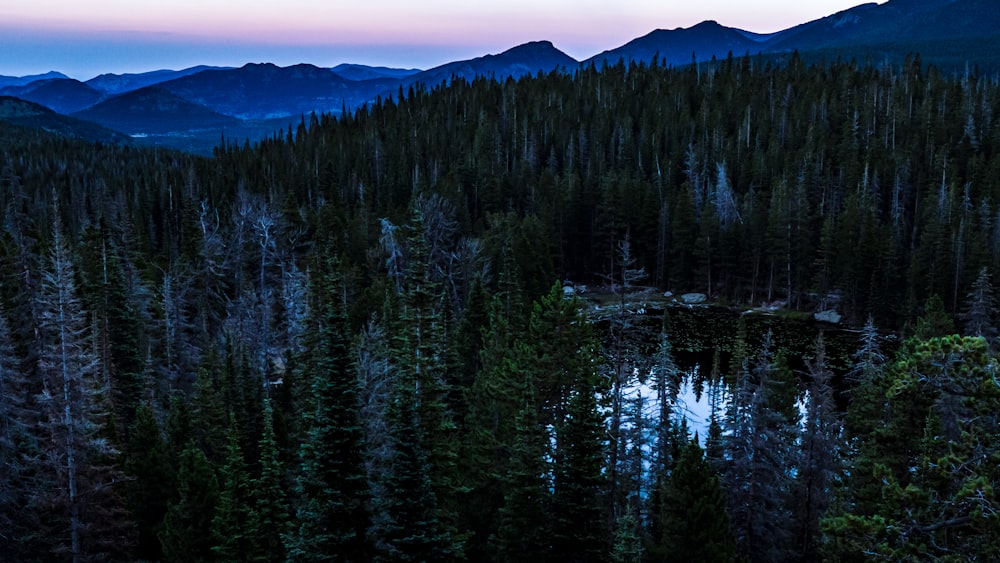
x: 368, y: 338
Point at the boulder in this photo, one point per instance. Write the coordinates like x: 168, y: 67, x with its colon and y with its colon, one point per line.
x: 828, y: 316
x: 694, y: 298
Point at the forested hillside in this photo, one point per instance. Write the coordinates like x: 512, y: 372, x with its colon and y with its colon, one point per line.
x: 351, y: 341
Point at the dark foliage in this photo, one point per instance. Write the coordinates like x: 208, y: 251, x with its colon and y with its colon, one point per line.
x: 213, y: 350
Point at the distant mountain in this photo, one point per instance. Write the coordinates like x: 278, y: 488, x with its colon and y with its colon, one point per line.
x: 22, y: 80
x: 62, y: 95
x: 153, y: 110
x: 262, y: 91
x: 255, y: 99
x: 947, y: 33
x: 35, y: 116
x: 118, y: 83
x: 526, y: 59
x: 896, y: 21
x: 362, y: 72
x: 682, y: 45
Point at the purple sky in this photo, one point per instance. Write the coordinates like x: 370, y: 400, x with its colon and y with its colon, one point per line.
x: 84, y: 39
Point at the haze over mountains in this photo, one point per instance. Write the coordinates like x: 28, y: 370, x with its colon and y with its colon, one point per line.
x: 191, y: 108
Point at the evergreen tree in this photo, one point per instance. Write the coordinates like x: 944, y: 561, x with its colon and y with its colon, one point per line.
x: 18, y: 445
x: 627, y: 547
x: 819, y: 456
x: 935, y: 321
x: 759, y: 445
x: 579, y: 484
x: 377, y: 378
x: 210, y: 406
x: 869, y: 358
x: 186, y: 534
x: 233, y: 536
x: 695, y: 525
x: 523, y: 531
x: 270, y: 520
x: 152, y: 488
x: 332, y: 519
x: 496, y: 400
x: 415, y: 531
x: 919, y: 486
x: 980, y: 308
x: 179, y: 429
x: 80, y: 460
x: 118, y: 329
x: 422, y: 428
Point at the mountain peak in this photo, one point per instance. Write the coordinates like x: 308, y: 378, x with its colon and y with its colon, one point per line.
x: 676, y: 46
x: 259, y: 66
x: 24, y: 80
x: 543, y: 44
x: 532, y: 49
x: 525, y: 59
x: 63, y: 95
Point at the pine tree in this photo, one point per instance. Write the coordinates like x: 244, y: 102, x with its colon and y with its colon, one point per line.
x: 980, y: 308
x: 209, y: 409
x: 869, y: 358
x: 118, y: 329
x: 332, y: 519
x: 179, y: 429
x: 270, y: 519
x: 496, y: 399
x: 523, y: 531
x: 667, y: 381
x: 149, y: 465
x: 919, y: 486
x: 81, y: 461
x: 627, y: 547
x: 759, y: 445
x: 695, y: 525
x: 233, y: 536
x: 935, y: 321
x: 377, y: 378
x: 186, y: 534
x: 579, y: 484
x: 415, y: 531
x: 423, y: 431
x: 820, y: 453
x: 18, y: 446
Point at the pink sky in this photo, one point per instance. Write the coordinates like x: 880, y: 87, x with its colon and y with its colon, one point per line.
x: 83, y: 39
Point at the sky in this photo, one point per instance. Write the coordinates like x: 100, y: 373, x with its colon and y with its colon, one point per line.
x: 84, y: 39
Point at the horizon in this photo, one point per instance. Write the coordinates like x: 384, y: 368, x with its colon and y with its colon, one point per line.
x: 107, y: 36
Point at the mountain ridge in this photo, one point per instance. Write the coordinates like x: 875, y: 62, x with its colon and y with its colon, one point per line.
x: 62, y: 95
x: 119, y: 83
x: 153, y: 110
x: 516, y: 62
x: 357, y: 72
x: 680, y: 45
x: 263, y: 90
x: 947, y: 33
x: 23, y: 80
x: 23, y: 113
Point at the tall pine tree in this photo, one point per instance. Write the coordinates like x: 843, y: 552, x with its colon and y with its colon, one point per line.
x: 331, y: 491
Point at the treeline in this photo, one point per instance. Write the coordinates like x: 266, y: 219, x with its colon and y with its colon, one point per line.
x: 345, y: 343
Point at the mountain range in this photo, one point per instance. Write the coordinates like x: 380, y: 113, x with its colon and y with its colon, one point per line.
x: 203, y: 102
